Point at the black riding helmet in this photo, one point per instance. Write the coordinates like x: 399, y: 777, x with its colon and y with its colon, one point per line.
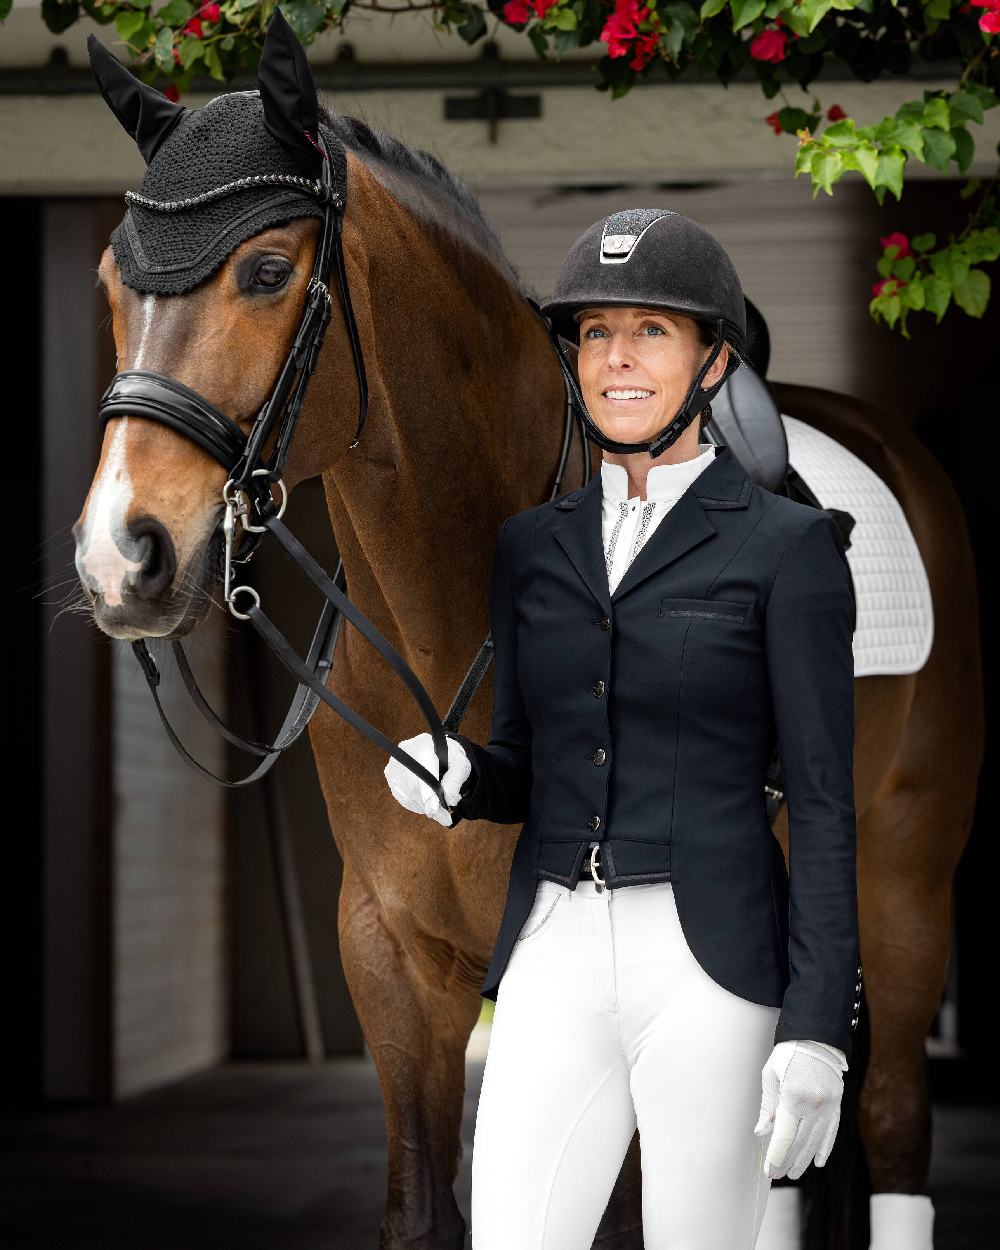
x: 650, y: 258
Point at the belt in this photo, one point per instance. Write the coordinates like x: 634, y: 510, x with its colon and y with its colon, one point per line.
x: 592, y: 869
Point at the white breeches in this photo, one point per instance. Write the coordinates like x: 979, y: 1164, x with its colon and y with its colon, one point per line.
x: 605, y: 1021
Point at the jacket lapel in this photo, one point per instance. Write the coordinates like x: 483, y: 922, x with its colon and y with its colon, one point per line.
x: 722, y: 485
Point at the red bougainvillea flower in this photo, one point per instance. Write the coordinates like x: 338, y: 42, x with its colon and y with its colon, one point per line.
x: 517, y: 12
x: 989, y: 23
x: 835, y: 113
x: 769, y: 45
x: 887, y: 286
x: 772, y: 121
x: 645, y: 49
x: 211, y: 12
x: 623, y: 26
x: 172, y: 93
x: 900, y: 240
x: 193, y: 28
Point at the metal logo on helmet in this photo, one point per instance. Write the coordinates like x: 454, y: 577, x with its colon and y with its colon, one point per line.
x: 622, y: 231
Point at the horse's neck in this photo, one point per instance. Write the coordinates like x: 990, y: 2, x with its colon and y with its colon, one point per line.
x: 464, y: 425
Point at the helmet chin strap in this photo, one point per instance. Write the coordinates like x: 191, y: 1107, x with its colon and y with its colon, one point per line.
x: 694, y: 401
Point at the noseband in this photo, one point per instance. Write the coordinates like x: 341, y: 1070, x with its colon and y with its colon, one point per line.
x: 248, y: 493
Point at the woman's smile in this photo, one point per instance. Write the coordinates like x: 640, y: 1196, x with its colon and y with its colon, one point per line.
x: 627, y: 396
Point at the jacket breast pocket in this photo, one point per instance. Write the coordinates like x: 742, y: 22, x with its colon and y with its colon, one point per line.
x: 707, y: 609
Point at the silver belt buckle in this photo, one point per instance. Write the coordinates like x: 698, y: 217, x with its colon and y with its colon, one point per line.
x: 598, y: 879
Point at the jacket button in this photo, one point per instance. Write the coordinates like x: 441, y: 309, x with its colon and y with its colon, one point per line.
x: 605, y: 623
x: 599, y: 756
x: 593, y: 823
x: 598, y: 689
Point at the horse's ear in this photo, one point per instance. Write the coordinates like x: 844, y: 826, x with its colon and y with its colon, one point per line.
x: 146, y: 113
x: 287, y: 90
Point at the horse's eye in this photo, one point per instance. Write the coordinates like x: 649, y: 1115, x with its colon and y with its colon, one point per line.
x: 271, y: 274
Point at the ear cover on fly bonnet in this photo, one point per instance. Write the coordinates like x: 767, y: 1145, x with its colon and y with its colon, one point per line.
x: 219, y: 174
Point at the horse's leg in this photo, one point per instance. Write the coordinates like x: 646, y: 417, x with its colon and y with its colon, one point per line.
x: 904, y: 899
x: 417, y: 1030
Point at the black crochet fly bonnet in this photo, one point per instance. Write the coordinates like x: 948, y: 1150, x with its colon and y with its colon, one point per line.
x: 218, y: 174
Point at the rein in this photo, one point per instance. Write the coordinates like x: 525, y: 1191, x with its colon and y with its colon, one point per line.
x: 248, y: 492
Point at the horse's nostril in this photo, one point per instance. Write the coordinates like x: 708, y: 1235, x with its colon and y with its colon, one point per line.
x: 155, y: 548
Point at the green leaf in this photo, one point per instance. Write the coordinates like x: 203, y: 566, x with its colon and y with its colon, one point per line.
x: 711, y: 7
x: 175, y: 13
x: 889, y: 171
x: 969, y: 189
x: 190, y: 50
x: 903, y: 268
x: 973, y: 294
x: 128, y: 22
x: 923, y: 242
x: 986, y: 97
x: 564, y: 19
x: 212, y: 62
x: 952, y: 264
x: 983, y: 244
x: 939, y: 147
x: 939, y: 9
x: 884, y: 266
x: 163, y: 51
x: 965, y: 107
x: 937, y: 295
x: 965, y: 147
x: 826, y: 169
x: 867, y: 158
x: 841, y: 133
x: 912, y: 295
x: 304, y: 16
x: 814, y: 12
x: 807, y: 153
x: 59, y: 15
x: 792, y: 119
x: 890, y: 309
x: 745, y: 11
x: 936, y: 113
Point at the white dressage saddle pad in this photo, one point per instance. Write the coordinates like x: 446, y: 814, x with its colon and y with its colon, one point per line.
x: 895, y: 624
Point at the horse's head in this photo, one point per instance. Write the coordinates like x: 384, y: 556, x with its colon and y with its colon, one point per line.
x: 206, y: 282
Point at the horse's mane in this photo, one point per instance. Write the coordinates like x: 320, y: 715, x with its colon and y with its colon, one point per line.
x: 423, y: 168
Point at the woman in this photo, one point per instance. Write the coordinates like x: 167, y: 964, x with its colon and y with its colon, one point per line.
x: 656, y: 967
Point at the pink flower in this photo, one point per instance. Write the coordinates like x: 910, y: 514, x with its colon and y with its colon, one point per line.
x: 835, y: 113
x: 193, y: 28
x: 172, y: 93
x: 899, y: 240
x: 645, y: 49
x: 769, y: 45
x: 515, y: 12
x: 623, y: 26
x: 887, y: 286
x: 211, y: 12
x: 989, y: 23
x: 772, y: 121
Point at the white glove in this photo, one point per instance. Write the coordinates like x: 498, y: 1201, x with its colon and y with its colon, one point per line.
x: 416, y: 795
x: 802, y: 1085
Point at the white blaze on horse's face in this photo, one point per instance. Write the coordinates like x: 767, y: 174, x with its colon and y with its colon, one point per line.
x: 102, y: 542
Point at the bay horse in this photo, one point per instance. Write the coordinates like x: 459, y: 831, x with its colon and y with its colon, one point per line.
x: 465, y: 426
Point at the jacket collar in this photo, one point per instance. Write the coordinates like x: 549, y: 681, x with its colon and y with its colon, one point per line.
x: 723, y: 485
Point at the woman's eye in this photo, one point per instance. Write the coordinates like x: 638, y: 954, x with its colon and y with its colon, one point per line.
x: 592, y: 331
x: 271, y: 274
x: 658, y: 329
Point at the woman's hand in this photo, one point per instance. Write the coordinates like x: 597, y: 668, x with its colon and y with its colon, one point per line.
x: 416, y: 795
x: 802, y: 1084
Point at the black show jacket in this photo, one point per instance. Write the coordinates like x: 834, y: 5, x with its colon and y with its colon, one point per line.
x: 645, y: 720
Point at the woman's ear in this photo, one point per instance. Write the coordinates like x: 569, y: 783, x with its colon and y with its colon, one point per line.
x: 718, y: 367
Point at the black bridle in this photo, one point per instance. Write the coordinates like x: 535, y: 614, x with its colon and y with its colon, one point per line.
x: 248, y: 492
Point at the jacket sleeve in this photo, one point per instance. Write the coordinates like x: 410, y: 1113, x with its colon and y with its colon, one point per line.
x: 499, y: 788
x: 809, y: 627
